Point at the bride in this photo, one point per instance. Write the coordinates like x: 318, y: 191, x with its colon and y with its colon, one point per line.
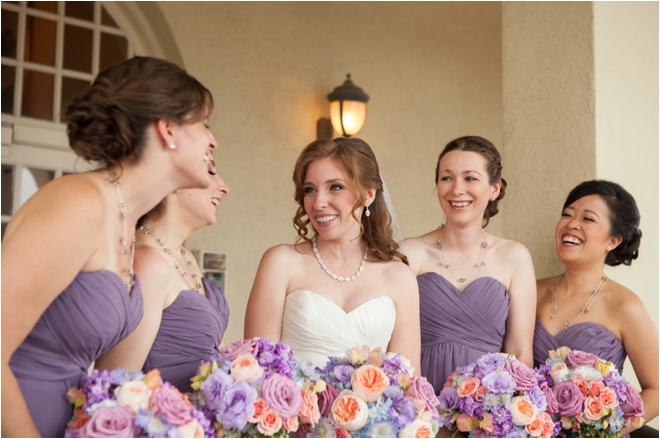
x: 346, y: 285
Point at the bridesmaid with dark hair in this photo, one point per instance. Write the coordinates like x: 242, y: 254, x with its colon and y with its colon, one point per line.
x: 475, y: 288
x: 583, y: 308
x: 68, y: 290
x: 185, y: 315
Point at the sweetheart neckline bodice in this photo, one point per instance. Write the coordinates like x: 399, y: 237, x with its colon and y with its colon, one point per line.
x: 365, y: 303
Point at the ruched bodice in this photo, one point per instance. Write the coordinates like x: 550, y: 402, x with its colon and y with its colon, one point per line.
x: 89, y: 317
x: 191, y: 330
x: 586, y: 336
x: 459, y: 327
x: 316, y: 328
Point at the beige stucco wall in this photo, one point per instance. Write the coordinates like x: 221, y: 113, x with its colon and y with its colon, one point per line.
x: 626, y: 56
x: 432, y: 70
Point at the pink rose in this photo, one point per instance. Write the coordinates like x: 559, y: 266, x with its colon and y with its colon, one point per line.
x: 240, y: 347
x: 326, y: 398
x: 169, y: 402
x: 634, y: 406
x: 246, y: 368
x: 522, y: 374
x: 468, y: 387
x: 420, y: 388
x: 535, y: 428
x: 270, y: 423
x: 349, y: 411
x: 595, y: 387
x: 309, y: 413
x: 550, y: 398
x: 548, y: 425
x: 260, y: 407
x: 608, y: 398
x: 282, y: 394
x: 291, y: 424
x: 593, y: 409
x: 523, y: 411
x: 577, y: 358
x: 369, y: 382
x: 342, y: 433
x: 117, y: 421
x: 569, y: 399
x: 581, y: 383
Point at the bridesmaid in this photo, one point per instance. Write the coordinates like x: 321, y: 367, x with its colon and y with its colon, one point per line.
x: 185, y: 315
x: 475, y: 288
x: 583, y: 308
x: 68, y: 290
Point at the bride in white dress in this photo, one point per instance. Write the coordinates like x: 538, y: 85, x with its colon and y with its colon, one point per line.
x: 343, y: 283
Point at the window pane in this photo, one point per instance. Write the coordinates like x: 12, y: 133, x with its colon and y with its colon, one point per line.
x: 38, y: 95
x: 107, y: 19
x: 8, y: 80
x: 71, y: 88
x: 9, y: 33
x: 40, y: 40
x: 33, y: 179
x: 114, y: 49
x: 44, y: 6
x: 7, y: 189
x: 77, y: 48
x: 82, y: 10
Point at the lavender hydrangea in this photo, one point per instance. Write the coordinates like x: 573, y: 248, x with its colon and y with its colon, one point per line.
x: 403, y: 411
x: 97, y: 387
x: 343, y: 372
x: 490, y: 362
x: 382, y: 428
x: 499, y: 382
x: 537, y: 397
x: 215, y: 387
x: 155, y: 425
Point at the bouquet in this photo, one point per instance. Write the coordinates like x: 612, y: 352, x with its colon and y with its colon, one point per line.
x: 254, y: 388
x: 131, y: 404
x: 371, y: 394
x: 588, y: 395
x: 496, y: 396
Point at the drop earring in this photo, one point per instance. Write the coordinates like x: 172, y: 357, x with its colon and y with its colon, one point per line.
x: 367, y: 213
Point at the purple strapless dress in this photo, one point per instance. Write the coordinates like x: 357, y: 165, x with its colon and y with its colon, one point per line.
x: 459, y: 327
x: 587, y: 336
x: 89, y: 317
x: 190, y: 331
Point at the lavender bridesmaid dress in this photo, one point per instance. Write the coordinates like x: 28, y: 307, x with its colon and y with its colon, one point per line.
x: 459, y: 327
x: 587, y: 336
x: 190, y: 331
x: 89, y: 317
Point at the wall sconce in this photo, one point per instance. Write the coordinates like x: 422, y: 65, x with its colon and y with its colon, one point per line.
x: 348, y: 111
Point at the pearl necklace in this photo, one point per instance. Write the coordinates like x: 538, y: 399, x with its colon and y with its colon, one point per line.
x: 587, y: 306
x: 197, y: 284
x: 330, y: 273
x: 127, y: 272
x: 480, y: 257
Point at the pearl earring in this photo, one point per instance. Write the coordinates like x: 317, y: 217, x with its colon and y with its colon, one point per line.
x: 172, y: 145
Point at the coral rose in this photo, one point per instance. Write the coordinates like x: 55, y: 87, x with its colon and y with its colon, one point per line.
x: 607, y: 397
x: 309, y: 413
x: 535, y: 428
x: 291, y: 424
x: 349, y: 411
x: 594, y: 388
x: 260, y: 407
x: 468, y: 387
x: 270, y: 423
x: 369, y: 382
x: 593, y: 409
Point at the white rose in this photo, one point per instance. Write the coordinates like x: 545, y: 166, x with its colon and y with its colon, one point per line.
x: 417, y: 428
x: 134, y: 394
x: 559, y: 372
x: 191, y: 429
x: 588, y: 373
x: 246, y: 368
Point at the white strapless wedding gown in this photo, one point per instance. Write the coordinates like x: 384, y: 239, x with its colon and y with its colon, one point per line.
x: 316, y: 328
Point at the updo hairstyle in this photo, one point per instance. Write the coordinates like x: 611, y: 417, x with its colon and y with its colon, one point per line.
x: 108, y: 123
x: 624, y: 217
x: 493, y: 166
x: 358, y: 162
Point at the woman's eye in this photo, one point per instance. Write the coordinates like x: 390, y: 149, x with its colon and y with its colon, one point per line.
x: 212, y: 172
x: 445, y: 178
x: 589, y: 219
x: 308, y: 190
x: 565, y: 215
x: 470, y: 179
x: 336, y: 187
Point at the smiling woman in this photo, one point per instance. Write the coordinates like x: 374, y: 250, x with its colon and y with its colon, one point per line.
x: 583, y: 308
x: 347, y: 285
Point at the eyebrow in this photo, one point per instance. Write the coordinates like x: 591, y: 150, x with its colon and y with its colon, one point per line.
x: 586, y: 210
x: 334, y: 180
x: 466, y: 172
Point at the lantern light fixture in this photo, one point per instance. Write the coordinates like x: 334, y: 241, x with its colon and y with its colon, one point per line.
x: 348, y: 108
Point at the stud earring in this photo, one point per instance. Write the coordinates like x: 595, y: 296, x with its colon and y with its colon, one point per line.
x: 172, y: 145
x: 367, y: 213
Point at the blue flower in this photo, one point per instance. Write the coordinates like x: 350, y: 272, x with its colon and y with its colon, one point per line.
x: 122, y: 376
x: 382, y: 428
x: 154, y: 425
x: 324, y: 428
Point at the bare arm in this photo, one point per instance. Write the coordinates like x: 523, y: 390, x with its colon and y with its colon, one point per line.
x: 640, y: 339
x: 156, y: 280
x: 406, y: 338
x: 57, y: 230
x: 522, y: 311
x: 265, y: 308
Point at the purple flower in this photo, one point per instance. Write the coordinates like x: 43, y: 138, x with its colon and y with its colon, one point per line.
x: 282, y: 394
x: 569, y: 398
x: 577, y: 358
x: 498, y: 382
x: 468, y: 405
x: 237, y: 405
x: 489, y: 362
x: 168, y: 401
x: 502, y: 422
x: 214, y: 388
x: 618, y: 383
x: 634, y: 406
x: 97, y: 387
x: 448, y: 399
x: 521, y: 374
x: 550, y: 399
x: 403, y: 411
x: 114, y: 421
x: 240, y: 347
x: 466, y: 371
x: 537, y: 396
x: 155, y: 425
x: 382, y: 428
x: 542, y: 373
x: 326, y: 398
x: 343, y: 373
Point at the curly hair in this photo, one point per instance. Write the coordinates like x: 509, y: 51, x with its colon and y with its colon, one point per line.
x: 108, y: 123
x: 358, y: 162
x: 624, y: 217
x: 493, y: 166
